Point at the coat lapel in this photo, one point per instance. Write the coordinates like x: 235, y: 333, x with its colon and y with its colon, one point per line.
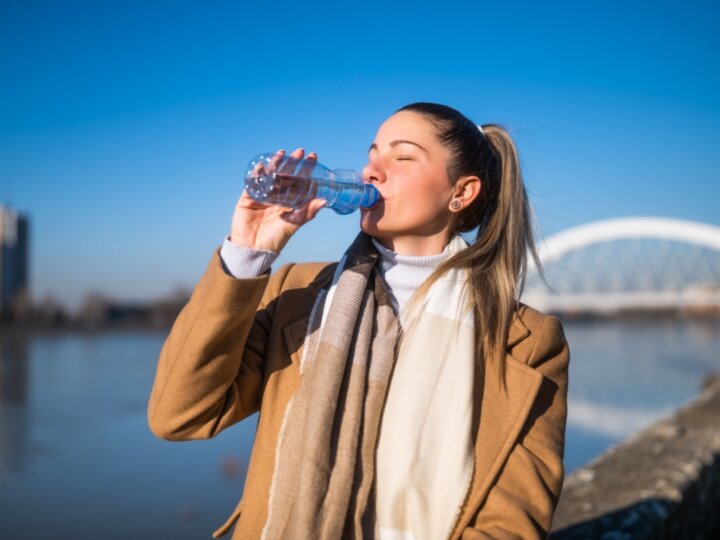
x: 294, y: 331
x: 294, y: 334
x: 502, y: 413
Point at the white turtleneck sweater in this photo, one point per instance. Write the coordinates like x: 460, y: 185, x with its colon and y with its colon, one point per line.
x: 402, y: 273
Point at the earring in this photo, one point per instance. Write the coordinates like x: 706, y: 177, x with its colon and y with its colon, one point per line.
x: 455, y: 205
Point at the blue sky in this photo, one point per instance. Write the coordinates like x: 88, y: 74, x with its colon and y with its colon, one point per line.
x: 125, y: 127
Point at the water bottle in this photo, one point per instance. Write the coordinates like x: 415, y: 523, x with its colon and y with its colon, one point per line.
x: 288, y: 181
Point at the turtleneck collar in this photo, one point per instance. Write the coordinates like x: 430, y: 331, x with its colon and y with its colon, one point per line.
x: 403, y: 274
x: 387, y: 255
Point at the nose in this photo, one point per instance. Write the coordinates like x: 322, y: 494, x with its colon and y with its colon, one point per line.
x: 373, y: 172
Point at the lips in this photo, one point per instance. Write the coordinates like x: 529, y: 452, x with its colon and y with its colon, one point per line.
x: 380, y: 202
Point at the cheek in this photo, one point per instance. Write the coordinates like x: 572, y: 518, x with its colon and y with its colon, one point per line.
x: 414, y: 195
x: 426, y: 193
x: 421, y: 203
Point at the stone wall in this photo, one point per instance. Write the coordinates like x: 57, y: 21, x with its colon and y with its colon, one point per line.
x: 662, y: 482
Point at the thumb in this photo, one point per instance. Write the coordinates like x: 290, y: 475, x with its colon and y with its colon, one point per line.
x: 315, y: 206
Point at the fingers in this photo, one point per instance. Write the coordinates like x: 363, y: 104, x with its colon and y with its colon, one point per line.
x: 286, y: 166
x: 289, y: 165
x: 302, y: 215
x: 262, y: 168
x: 308, y: 166
x: 295, y: 216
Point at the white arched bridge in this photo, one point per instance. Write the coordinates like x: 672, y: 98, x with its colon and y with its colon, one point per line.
x: 629, y: 264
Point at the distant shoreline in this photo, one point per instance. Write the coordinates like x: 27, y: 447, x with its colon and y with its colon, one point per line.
x: 14, y: 330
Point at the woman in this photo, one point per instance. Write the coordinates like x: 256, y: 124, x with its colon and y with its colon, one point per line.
x: 404, y: 392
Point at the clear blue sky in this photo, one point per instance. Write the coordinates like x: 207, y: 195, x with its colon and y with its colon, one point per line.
x: 125, y: 127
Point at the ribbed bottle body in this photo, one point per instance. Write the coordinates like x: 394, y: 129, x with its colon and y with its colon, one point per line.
x: 291, y: 182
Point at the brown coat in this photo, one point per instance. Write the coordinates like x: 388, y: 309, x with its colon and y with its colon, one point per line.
x: 235, y: 349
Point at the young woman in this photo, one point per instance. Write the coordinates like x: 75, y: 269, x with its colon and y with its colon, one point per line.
x: 404, y: 392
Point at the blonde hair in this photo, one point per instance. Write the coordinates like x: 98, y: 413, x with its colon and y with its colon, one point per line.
x: 502, y: 216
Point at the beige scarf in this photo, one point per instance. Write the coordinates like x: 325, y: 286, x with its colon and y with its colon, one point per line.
x: 324, y: 484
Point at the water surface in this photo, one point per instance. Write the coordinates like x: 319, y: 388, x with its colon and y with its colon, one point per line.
x: 77, y: 459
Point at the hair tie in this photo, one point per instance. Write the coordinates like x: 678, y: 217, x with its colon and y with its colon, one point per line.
x: 481, y: 130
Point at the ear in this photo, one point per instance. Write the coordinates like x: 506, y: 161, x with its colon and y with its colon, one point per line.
x: 466, y: 190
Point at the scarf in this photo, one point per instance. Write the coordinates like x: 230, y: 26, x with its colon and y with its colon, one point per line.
x: 324, y: 483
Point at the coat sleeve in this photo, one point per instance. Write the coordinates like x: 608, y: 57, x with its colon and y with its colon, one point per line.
x: 210, y: 370
x: 522, y: 502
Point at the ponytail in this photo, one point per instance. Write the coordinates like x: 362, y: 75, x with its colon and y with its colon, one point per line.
x: 501, y: 214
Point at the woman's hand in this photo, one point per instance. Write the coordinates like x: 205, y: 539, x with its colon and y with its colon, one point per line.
x: 261, y: 226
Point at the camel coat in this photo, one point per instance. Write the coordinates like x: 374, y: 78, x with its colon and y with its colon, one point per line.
x: 235, y: 349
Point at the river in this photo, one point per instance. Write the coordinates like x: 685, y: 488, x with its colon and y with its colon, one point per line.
x: 77, y: 459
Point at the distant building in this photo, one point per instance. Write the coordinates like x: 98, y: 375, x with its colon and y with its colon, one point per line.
x: 14, y: 268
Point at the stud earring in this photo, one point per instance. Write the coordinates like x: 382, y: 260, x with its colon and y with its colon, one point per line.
x: 455, y: 205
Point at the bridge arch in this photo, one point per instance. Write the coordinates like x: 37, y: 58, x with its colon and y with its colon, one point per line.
x: 629, y: 263
x: 608, y: 230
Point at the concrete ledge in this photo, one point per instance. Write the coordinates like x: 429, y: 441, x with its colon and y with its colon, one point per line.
x: 662, y: 482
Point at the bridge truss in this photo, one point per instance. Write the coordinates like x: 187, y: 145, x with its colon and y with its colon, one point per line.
x: 629, y: 264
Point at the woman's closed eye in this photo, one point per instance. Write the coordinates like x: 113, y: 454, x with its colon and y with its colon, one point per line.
x: 405, y: 158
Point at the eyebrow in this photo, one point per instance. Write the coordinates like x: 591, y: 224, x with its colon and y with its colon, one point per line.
x: 373, y: 146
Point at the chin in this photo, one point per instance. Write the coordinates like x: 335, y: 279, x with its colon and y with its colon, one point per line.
x: 373, y: 221
x: 370, y: 225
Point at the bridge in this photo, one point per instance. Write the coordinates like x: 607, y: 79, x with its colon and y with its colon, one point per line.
x: 628, y: 264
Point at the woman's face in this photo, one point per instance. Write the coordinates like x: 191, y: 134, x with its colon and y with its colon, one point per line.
x: 408, y: 165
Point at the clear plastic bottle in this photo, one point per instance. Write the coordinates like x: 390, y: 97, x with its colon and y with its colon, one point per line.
x: 292, y: 182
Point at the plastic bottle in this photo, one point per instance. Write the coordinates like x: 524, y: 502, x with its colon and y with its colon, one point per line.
x: 292, y: 182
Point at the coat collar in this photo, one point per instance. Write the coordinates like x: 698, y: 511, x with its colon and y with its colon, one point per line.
x: 322, y: 279
x: 516, y: 333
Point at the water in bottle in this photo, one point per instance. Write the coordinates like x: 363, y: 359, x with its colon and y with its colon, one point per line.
x: 292, y: 182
